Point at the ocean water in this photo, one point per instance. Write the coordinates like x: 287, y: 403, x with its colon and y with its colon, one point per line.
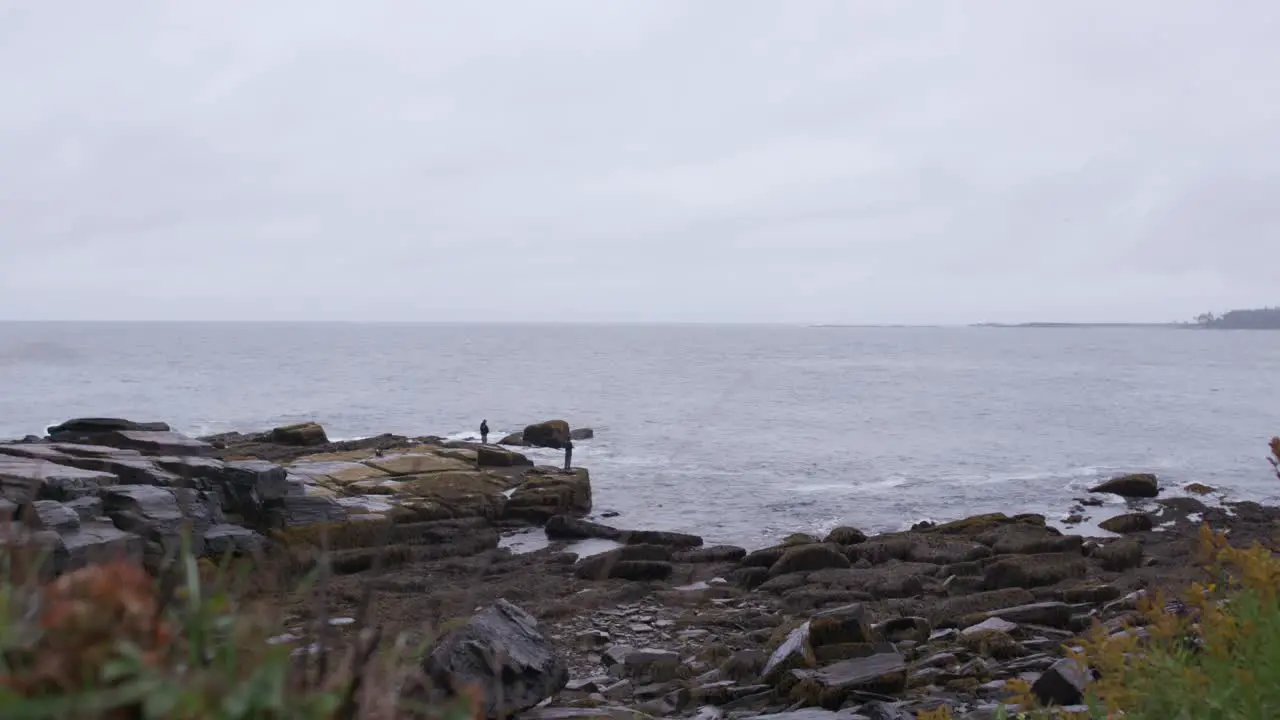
x: 742, y: 434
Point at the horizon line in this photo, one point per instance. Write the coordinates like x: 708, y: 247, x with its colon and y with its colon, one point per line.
x: 744, y: 323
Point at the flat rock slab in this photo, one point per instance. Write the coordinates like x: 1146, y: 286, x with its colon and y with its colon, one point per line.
x: 830, y: 686
x: 132, y: 470
x: 338, y: 472
x: 148, y: 442
x: 416, y: 464
x: 24, y: 480
x: 597, y: 713
x: 992, y: 624
x: 809, y: 714
x: 33, y: 451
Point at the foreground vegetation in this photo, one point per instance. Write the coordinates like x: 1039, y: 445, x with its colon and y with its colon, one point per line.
x: 111, y: 641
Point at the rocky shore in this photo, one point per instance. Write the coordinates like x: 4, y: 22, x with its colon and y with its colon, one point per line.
x: 595, y: 620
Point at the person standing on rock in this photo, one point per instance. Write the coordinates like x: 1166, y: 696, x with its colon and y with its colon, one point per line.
x: 568, y: 455
x: 484, y: 432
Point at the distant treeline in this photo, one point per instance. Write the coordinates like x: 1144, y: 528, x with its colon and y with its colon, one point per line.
x: 1260, y: 319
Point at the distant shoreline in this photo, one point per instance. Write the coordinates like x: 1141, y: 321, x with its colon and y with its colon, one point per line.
x: 1085, y: 325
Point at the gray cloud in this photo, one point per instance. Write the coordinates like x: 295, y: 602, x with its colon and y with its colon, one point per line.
x: 823, y: 161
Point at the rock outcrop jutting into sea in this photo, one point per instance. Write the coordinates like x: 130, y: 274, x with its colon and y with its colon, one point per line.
x: 99, y: 488
x: 599, y: 621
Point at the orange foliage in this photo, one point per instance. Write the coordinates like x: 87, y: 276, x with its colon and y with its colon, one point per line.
x: 84, y: 616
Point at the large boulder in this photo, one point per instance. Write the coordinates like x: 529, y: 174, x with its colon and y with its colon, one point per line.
x: 305, y: 434
x: 1030, y: 571
x: 806, y: 558
x: 552, y: 434
x: 1137, y: 485
x: 842, y: 626
x: 551, y: 492
x: 500, y: 652
x: 490, y: 456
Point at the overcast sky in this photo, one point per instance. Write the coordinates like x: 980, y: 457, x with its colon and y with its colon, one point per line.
x: 814, y: 161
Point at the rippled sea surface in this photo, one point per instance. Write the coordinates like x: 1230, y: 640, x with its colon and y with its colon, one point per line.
x: 739, y: 433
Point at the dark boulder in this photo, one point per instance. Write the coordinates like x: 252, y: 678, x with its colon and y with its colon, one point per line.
x: 514, y: 439
x: 1029, y: 571
x: 95, y: 425
x: 1136, y: 485
x: 764, y: 557
x: 916, y: 629
x: 641, y: 570
x: 305, y: 434
x: 661, y: 537
x: 552, y: 434
x: 501, y: 652
x: 490, y: 456
x: 1064, y: 683
x: 804, y: 558
x: 1128, y: 523
x: 1119, y: 555
x: 845, y: 535
x: 582, y: 434
x: 713, y: 554
x: 602, y: 566
x: 1020, y: 539
x: 568, y: 527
